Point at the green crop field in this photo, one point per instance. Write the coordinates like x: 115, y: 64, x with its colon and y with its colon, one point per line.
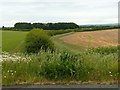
x: 12, y: 41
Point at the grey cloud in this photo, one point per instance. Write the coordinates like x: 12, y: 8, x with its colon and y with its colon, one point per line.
x: 78, y: 11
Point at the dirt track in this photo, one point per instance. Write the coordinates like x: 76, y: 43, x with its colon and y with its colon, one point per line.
x: 93, y: 39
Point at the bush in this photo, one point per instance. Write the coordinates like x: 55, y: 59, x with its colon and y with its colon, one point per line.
x: 38, y: 39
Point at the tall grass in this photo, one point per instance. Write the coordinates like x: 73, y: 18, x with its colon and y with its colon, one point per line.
x: 60, y: 65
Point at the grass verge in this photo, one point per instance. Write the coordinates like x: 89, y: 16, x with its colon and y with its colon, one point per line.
x: 60, y: 66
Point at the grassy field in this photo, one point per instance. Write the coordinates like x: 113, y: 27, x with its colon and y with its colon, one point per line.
x: 69, y: 63
x: 12, y: 40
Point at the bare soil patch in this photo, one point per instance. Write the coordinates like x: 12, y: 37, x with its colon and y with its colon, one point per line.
x: 93, y: 38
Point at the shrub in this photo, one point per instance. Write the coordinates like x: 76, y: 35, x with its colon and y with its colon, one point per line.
x: 38, y: 39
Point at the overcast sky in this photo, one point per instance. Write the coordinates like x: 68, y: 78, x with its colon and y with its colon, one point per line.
x: 78, y: 11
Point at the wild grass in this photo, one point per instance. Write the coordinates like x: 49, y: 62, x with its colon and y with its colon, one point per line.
x: 60, y: 66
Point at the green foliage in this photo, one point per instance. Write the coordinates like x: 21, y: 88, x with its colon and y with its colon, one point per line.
x: 46, y: 26
x: 23, y: 25
x: 58, y: 26
x: 38, y: 39
x: 38, y: 25
x: 104, y: 50
x: 60, y: 65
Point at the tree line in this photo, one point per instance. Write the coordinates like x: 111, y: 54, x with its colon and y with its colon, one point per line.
x: 46, y: 26
x: 24, y: 26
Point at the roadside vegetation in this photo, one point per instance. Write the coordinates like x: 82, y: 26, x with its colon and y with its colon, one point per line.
x: 60, y: 66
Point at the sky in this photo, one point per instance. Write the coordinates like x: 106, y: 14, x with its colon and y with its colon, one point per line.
x: 80, y: 12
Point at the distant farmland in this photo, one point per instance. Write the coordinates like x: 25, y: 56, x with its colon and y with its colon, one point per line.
x: 70, y: 62
x: 93, y: 39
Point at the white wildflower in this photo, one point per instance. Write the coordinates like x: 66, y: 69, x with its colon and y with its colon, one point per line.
x: 12, y: 73
x: 110, y: 72
x: 111, y: 75
x: 8, y: 71
x: 4, y: 76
